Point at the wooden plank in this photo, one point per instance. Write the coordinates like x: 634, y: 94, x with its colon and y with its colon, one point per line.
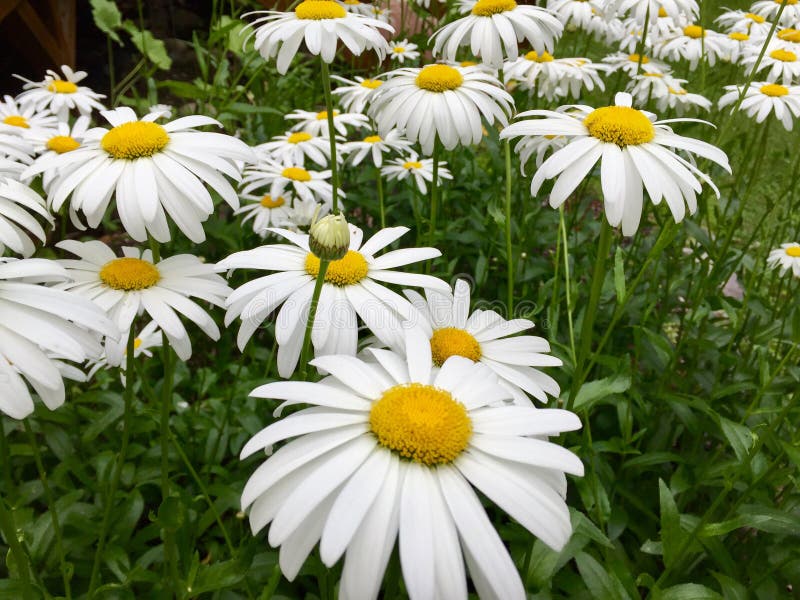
x: 7, y: 7
x: 49, y: 43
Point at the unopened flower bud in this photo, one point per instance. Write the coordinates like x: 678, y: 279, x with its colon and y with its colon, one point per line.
x: 329, y: 238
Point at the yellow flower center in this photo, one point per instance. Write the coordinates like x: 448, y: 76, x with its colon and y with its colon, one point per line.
x: 137, y: 342
x: 412, y: 164
x: 317, y: 10
x: 789, y: 35
x: 661, y: 12
x: 468, y: 63
x: 659, y: 75
x: 793, y: 251
x: 399, y: 49
x: 487, y: 8
x: 451, y: 341
x: 129, y: 274
x: 789, y: 2
x: 620, y: 125
x: 754, y: 17
x: 774, y: 89
x: 299, y: 136
x: 323, y: 115
x: 536, y: 57
x: 783, y: 55
x: 678, y: 92
x: 421, y: 423
x: 439, y: 78
x: 694, y: 31
x: 352, y: 2
x: 16, y: 121
x: 739, y: 36
x: 268, y: 202
x: 62, y: 144
x: 59, y: 86
x: 343, y: 272
x: 296, y: 174
x: 635, y: 59
x: 371, y: 83
x: 372, y: 139
x: 136, y: 139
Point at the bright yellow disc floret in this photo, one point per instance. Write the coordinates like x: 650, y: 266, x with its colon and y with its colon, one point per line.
x: 343, y: 272
x: 136, y: 139
x: 620, y: 125
x: 129, y: 274
x: 450, y: 341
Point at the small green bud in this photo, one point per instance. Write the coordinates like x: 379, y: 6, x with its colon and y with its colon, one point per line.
x: 329, y: 238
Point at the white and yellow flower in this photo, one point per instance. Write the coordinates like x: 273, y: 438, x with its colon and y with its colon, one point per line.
x: 748, y: 22
x: 49, y: 143
x: 786, y: 258
x: 316, y: 123
x: 642, y: 10
x: 769, y: 10
x: 21, y: 119
x: 148, y: 338
x: 18, y: 205
x: 375, y: 146
x: 355, y: 95
x: 692, y: 43
x: 781, y: 59
x: 289, y: 180
x: 403, y: 50
x: 763, y: 98
x: 420, y: 169
x: 633, y: 63
x: 293, y: 147
x: 61, y: 93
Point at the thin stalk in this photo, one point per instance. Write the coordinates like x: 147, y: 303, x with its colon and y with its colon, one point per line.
x: 434, y: 193
x: 166, y: 409
x: 509, y: 246
x: 326, y: 89
x: 312, y: 314
x: 641, y: 45
x: 51, y: 501
x: 111, y: 75
x: 379, y: 182
x: 567, y: 280
x: 115, y: 477
x: 9, y: 530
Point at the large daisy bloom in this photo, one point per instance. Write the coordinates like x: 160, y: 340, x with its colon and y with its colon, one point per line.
x: 781, y: 60
x: 636, y: 150
x: 40, y: 323
x: 18, y: 205
x: 21, y: 118
x: 322, y: 24
x: 355, y: 95
x: 420, y: 169
x: 641, y: 10
x: 352, y: 288
x: 133, y: 284
x: 61, y: 93
x: 316, y: 123
x: 392, y: 449
x: 289, y: 180
x: 787, y: 258
x: 769, y: 10
x: 763, y: 98
x: 151, y: 170
x: 483, y: 336
x: 375, y: 146
x: 293, y: 147
x: 440, y: 102
x: 494, y: 28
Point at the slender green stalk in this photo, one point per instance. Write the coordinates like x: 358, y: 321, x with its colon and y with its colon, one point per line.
x: 51, y: 503
x: 379, y: 181
x: 312, y: 314
x: 509, y: 247
x: 326, y: 89
x: 567, y: 281
x: 170, y: 549
x: 115, y: 477
x: 434, y: 194
x: 21, y: 559
x: 111, y: 75
x: 641, y: 45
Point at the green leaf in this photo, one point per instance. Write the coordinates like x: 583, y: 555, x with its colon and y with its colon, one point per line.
x: 594, y: 391
x: 731, y: 589
x: 619, y: 275
x: 689, y: 591
x: 149, y: 46
x: 740, y: 437
x: 218, y: 576
x: 170, y: 513
x: 670, y: 524
x: 107, y: 17
x: 756, y: 517
x: 601, y: 584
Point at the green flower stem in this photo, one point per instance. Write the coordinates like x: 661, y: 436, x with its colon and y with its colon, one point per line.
x: 326, y: 88
x: 115, y: 477
x: 434, y: 194
x: 312, y: 314
x: 51, y: 502
x: 170, y: 549
x: 565, y: 245
x: 9, y: 530
x: 379, y: 182
x: 509, y: 247
x: 641, y: 45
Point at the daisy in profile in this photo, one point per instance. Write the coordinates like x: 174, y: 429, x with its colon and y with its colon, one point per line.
x: 440, y: 102
x: 60, y: 94
x: 354, y: 95
x: 574, y: 12
x: 20, y: 119
x: 642, y: 10
x: 738, y: 46
x: 284, y: 180
x: 293, y: 147
x: 19, y: 208
x: 353, y: 289
x: 134, y: 284
x: 739, y: 20
x: 763, y: 98
x: 769, y: 10
x: 49, y: 143
x: 403, y: 50
x: 41, y: 328
x: 152, y: 171
x: 316, y: 123
x: 786, y: 258
x: 356, y: 6
x: 636, y: 150
x: 483, y: 336
x: 679, y: 99
x: 391, y: 450
x: 691, y: 44
x: 375, y: 146
x: 781, y: 62
x: 494, y: 28
x: 631, y: 63
x: 266, y: 211
x: 321, y: 24
x: 148, y: 338
x: 419, y: 169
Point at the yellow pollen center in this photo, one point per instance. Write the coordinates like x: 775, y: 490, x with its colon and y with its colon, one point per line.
x: 661, y: 12
x: 129, y: 274
x: 372, y: 139
x: 421, y: 423
x: 540, y: 58
x: 348, y: 270
x: 789, y: 35
x: 371, y: 83
x: 635, y: 59
x: 137, y: 342
x: 62, y: 144
x: 739, y: 36
x: 16, y: 121
x: 317, y: 10
x: 793, y: 251
x: 467, y: 63
x: 296, y: 174
x: 783, y: 55
x: 677, y: 92
x: 323, y: 115
x: 412, y: 164
x: 60, y: 86
x: 399, y: 49
x: 694, y: 31
x: 487, y: 8
x: 136, y: 139
x: 451, y: 341
x: 620, y: 125
x: 788, y: 2
x: 659, y: 75
x: 439, y: 78
x: 774, y: 89
x: 299, y: 136
x: 755, y: 18
x: 352, y: 2
x: 269, y: 202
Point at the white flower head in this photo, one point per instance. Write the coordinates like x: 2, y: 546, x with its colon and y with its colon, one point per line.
x: 61, y: 93
x: 375, y: 146
x: 781, y: 60
x: 265, y: 211
x: 786, y: 258
x: 691, y: 44
x: 790, y: 17
x: 288, y: 180
x: 293, y: 147
x: 748, y: 22
x: 19, y: 208
x: 420, y: 169
x: 21, y: 119
x: 143, y: 343
x: 763, y: 99
x: 49, y: 143
x: 403, y: 50
x: 354, y: 96
x: 630, y: 63
x: 642, y: 10
x: 316, y: 123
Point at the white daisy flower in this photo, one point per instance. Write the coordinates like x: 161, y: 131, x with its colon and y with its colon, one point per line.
x: 680, y: 100
x: 605, y: 25
x: 769, y: 10
x: 555, y: 77
x: 38, y: 324
x: 284, y: 180
x: 421, y: 169
x: 494, y: 28
x: 440, y: 101
x: 786, y: 258
x: 321, y: 24
x: 403, y: 50
x: 686, y: 10
x: 61, y: 94
x: 16, y: 153
x: 356, y: 6
x: 353, y: 287
x: 391, y: 450
x: 483, y: 336
x: 636, y: 150
x: 293, y: 147
x: 763, y: 98
x: 383, y: 15
x: 574, y: 12
x: 355, y: 95
x: 629, y: 64
x: 18, y: 205
x: 148, y: 338
x: 20, y: 119
x: 151, y: 170
x: 738, y: 45
x: 49, y: 143
x: 302, y: 214
x: 133, y: 284
x: 781, y: 60
x: 739, y: 20
x: 375, y: 146
x: 691, y: 44
x: 316, y: 123
x: 266, y: 211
